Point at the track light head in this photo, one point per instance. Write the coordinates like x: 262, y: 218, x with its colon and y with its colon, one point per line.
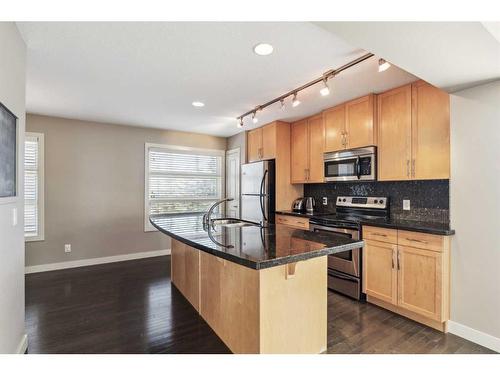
x: 295, y: 101
x: 325, y: 90
x: 254, y: 118
x: 282, y: 104
x: 240, y: 122
x: 383, y: 65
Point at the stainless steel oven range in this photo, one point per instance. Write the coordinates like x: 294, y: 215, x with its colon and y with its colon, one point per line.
x: 345, y: 268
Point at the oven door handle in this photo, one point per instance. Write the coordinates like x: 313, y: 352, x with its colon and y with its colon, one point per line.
x: 358, y: 167
x: 341, y: 276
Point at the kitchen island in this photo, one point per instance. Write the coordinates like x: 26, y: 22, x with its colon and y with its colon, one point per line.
x: 262, y: 290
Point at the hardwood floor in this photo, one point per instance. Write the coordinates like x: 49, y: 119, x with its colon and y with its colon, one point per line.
x: 131, y: 307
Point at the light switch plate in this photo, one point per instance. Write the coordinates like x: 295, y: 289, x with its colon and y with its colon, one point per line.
x: 14, y: 216
x: 67, y: 248
x: 406, y: 204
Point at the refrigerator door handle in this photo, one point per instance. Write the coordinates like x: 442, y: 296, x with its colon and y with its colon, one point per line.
x: 261, y: 198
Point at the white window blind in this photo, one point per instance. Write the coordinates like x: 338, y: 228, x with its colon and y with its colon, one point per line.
x: 181, y: 181
x: 33, y: 187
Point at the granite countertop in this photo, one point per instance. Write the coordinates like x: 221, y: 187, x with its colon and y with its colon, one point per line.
x: 253, y: 246
x: 424, y: 226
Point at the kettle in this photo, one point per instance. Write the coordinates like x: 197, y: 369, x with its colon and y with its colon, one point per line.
x: 310, y: 203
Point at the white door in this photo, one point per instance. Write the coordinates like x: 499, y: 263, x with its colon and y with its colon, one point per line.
x: 233, y: 182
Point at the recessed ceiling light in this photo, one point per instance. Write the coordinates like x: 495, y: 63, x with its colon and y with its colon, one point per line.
x: 198, y: 104
x: 263, y: 49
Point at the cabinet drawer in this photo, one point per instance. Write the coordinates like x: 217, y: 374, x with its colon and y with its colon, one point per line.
x: 420, y: 240
x: 380, y: 234
x: 293, y: 221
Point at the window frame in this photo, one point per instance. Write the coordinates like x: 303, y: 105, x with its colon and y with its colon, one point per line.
x: 41, y: 187
x: 168, y: 147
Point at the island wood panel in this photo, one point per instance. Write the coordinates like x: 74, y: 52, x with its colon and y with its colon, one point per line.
x: 394, y: 134
x: 254, y: 144
x: 316, y: 146
x: 269, y: 141
x: 334, y: 123
x: 430, y: 132
x: 286, y: 192
x: 359, y: 122
x: 379, y: 271
x: 185, y: 271
x: 293, y: 307
x: 230, y: 302
x: 299, y: 146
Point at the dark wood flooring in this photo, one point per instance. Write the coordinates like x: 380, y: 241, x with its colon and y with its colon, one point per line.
x: 131, y: 307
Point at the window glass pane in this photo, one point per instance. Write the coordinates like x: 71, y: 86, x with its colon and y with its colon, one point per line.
x: 183, y: 163
x: 183, y: 187
x: 163, y: 207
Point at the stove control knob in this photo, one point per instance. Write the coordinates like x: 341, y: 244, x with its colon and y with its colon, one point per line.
x: 344, y: 199
x: 375, y: 201
x: 381, y: 201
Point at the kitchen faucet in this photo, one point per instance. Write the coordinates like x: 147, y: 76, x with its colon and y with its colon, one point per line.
x: 207, y: 217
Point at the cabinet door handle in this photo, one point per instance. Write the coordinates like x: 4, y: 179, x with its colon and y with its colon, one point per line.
x: 398, y: 261
x: 407, y: 167
x: 379, y: 234
x: 413, y: 167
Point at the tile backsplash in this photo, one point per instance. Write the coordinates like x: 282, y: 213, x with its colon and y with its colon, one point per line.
x: 429, y: 199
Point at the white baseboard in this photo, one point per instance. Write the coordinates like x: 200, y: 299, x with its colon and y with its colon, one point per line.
x: 94, y: 261
x: 23, y: 345
x: 471, y: 334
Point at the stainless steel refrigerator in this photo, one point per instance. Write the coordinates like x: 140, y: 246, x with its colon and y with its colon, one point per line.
x: 258, y: 192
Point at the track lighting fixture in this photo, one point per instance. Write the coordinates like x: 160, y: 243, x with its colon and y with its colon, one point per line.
x: 383, y: 65
x: 254, y: 117
x: 325, y: 90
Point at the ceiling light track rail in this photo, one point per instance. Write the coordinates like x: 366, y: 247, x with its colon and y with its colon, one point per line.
x: 323, y: 78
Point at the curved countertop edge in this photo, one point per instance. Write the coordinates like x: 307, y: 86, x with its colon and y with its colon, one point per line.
x: 262, y: 264
x: 409, y: 225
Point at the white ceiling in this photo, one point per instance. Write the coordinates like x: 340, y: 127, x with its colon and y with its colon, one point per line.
x: 147, y: 74
x: 450, y: 55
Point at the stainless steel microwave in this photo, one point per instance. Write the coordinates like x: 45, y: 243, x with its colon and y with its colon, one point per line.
x: 351, y: 165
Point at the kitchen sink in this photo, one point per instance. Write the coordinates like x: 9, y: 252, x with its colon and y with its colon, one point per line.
x: 232, y: 222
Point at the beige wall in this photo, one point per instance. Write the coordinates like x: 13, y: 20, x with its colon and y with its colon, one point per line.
x: 239, y: 141
x: 12, y: 95
x: 475, y: 214
x: 94, y: 188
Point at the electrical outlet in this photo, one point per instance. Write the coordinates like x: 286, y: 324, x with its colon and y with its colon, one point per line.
x: 406, y: 204
x: 67, y: 248
x: 325, y: 201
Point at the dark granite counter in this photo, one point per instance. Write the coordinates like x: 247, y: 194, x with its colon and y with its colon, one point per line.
x: 424, y: 226
x: 253, y: 246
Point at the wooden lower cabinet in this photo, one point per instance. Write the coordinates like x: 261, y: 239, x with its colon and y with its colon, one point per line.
x: 380, y: 274
x: 280, y: 309
x: 413, y: 281
x: 420, y: 282
x: 293, y: 221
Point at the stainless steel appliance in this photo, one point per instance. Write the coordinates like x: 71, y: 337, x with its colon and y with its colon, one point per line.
x: 351, y: 165
x: 299, y: 205
x: 344, y: 269
x: 258, y: 192
x: 310, y: 204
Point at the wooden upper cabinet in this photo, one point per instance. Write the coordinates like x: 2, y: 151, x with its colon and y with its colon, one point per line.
x: 334, y: 122
x: 254, y: 144
x: 430, y: 132
x: 269, y: 141
x: 379, y: 270
x: 420, y: 278
x: 316, y: 146
x: 394, y: 134
x: 359, y: 122
x: 261, y: 143
x: 299, y: 151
